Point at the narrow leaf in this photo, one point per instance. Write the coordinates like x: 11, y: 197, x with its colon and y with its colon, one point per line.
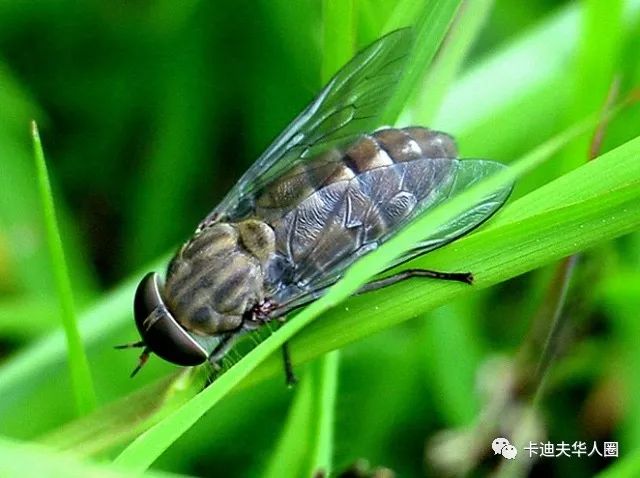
x: 79, y: 366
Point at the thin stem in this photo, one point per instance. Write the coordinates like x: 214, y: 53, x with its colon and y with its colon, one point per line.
x: 558, y: 320
x: 566, y: 267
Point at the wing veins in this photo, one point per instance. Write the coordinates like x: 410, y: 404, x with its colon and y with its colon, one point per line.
x: 366, y: 83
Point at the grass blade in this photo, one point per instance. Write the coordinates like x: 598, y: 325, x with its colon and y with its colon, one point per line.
x: 441, y: 74
x: 452, y: 348
x: 289, y: 456
x: 325, y: 380
x: 25, y: 460
x: 597, y: 63
x: 434, y: 20
x: 20, y: 373
x: 79, y: 366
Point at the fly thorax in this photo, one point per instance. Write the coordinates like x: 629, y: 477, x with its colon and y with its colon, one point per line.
x: 258, y: 239
x: 217, y: 277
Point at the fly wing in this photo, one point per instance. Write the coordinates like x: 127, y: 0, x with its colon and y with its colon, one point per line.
x: 338, y: 224
x: 348, y: 106
x: 468, y: 173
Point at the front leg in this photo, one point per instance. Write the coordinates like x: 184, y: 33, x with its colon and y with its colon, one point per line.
x: 220, y: 350
x: 216, y: 356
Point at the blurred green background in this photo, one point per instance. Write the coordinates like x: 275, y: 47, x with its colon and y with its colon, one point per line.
x: 149, y: 112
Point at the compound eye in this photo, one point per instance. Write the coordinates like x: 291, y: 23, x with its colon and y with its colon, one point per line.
x: 147, y: 299
x: 159, y: 329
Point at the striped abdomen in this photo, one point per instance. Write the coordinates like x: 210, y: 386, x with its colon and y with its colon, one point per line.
x: 338, y: 206
x: 382, y: 148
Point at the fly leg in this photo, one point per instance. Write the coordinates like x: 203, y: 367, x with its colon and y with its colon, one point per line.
x: 264, y: 310
x: 220, y: 350
x: 290, y: 375
x: 466, y: 277
x: 263, y: 313
x: 216, y: 356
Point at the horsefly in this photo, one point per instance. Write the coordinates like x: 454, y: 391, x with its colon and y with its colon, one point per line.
x: 329, y: 189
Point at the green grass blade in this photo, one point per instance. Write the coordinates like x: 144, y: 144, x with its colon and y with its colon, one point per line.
x: 290, y: 455
x: 452, y: 348
x: 122, y: 420
x: 521, y: 67
x: 306, y: 444
x: 621, y: 296
x: 25, y: 460
x: 325, y: 379
x: 431, y: 27
x: 471, y: 17
x: 597, y: 64
x: 24, y: 264
x: 79, y: 366
x: 19, y: 374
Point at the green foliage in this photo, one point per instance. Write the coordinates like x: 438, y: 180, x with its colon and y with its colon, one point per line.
x: 41, y: 462
x: 150, y: 111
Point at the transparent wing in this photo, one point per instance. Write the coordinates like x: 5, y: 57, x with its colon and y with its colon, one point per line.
x: 468, y: 173
x: 463, y: 175
x: 348, y: 106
